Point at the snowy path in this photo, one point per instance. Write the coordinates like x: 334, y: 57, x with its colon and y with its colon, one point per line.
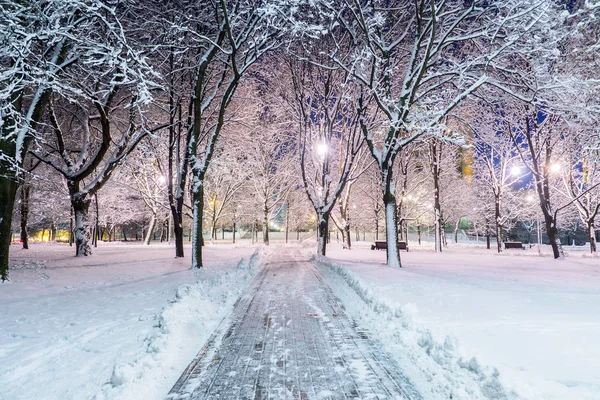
x: 290, y: 338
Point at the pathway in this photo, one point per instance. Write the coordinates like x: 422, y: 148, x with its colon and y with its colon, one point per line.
x: 289, y: 338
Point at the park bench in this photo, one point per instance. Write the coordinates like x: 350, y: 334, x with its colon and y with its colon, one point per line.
x: 513, y: 245
x: 382, y: 245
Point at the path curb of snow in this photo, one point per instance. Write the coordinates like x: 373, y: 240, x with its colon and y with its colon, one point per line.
x: 180, y: 330
x: 437, y: 368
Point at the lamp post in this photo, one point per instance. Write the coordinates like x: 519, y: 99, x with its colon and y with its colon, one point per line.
x: 555, y: 167
x: 322, y: 149
x: 515, y: 170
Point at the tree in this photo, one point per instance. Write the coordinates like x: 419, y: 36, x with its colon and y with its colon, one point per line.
x: 581, y: 179
x: 225, y: 179
x: 271, y: 159
x: 146, y: 175
x: 322, y: 102
x: 39, y: 46
x: 536, y: 138
x: 416, y: 62
x: 499, y: 165
x: 224, y: 43
x: 342, y: 223
x: 98, y: 156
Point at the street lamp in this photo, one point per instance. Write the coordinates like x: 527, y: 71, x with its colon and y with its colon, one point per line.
x: 322, y: 149
x: 515, y: 170
x: 555, y: 167
x: 162, y: 180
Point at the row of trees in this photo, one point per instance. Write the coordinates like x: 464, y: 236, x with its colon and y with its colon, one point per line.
x: 336, y: 89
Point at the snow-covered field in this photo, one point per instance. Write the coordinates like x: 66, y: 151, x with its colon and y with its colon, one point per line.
x: 116, y: 325
x: 535, y: 319
x: 124, y: 323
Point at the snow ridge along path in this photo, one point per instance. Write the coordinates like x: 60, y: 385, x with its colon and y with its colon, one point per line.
x: 437, y: 369
x: 289, y: 338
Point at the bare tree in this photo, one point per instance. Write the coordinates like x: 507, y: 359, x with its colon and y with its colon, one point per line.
x: 406, y: 57
x: 581, y: 179
x: 41, y: 48
x: 536, y: 138
x: 322, y: 100
x: 498, y: 162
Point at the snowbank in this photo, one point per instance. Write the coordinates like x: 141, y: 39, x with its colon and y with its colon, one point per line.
x: 534, y: 319
x: 113, y: 325
x: 180, y: 331
x: 437, y: 368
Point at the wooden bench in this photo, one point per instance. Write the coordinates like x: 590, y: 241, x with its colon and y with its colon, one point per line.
x: 513, y: 245
x: 382, y: 245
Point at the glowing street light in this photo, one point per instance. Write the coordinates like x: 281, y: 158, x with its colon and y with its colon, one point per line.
x: 162, y: 180
x: 322, y: 149
x: 529, y: 198
x: 555, y: 167
x: 515, y: 170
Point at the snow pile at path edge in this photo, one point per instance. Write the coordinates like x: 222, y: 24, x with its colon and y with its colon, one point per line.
x: 435, y: 367
x: 180, y: 331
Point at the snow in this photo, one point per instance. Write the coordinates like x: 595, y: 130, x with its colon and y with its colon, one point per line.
x: 121, y: 324
x: 533, y: 319
x: 464, y: 324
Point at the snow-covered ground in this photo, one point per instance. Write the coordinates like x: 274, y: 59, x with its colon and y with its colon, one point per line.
x: 124, y: 323
x: 535, y: 319
x: 116, y: 325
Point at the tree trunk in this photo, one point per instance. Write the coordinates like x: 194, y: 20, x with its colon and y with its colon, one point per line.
x: 97, y: 225
x: 498, y: 217
x: 52, y: 231
x: 169, y: 229
x: 233, y: 231
x: 178, y: 231
x: 213, y: 228
x: 162, y: 231
x: 456, y: 226
x: 287, y: 221
x: 8, y: 193
x: 419, y: 233
x: 151, y: 227
x: 438, y: 230
x: 25, y: 188
x: 391, y: 221
x: 401, y: 230
x: 323, y: 231
x: 437, y: 207
x: 82, y: 227
x: 552, y: 233
x: 592, y: 236
x: 346, y: 236
x: 198, y: 210
x: 266, y: 226
x: 376, y: 226
x: 71, y: 229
